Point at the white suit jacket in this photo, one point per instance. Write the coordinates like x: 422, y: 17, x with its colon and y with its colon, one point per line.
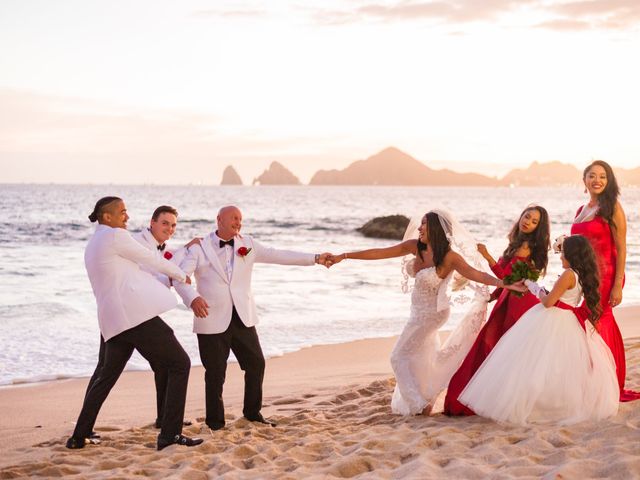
x: 221, y: 293
x: 146, y: 238
x: 125, y: 294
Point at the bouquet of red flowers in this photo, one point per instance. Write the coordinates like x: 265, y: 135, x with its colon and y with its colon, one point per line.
x: 521, y: 271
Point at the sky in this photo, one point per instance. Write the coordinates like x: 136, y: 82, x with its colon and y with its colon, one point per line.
x: 171, y: 92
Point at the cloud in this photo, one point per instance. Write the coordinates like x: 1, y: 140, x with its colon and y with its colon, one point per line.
x: 445, y: 11
x: 564, y: 16
x: 594, y: 15
x: 563, y: 25
x: 47, y: 138
x: 240, y: 14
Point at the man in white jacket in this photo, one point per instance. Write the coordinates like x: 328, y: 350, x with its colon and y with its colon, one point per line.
x: 162, y: 226
x: 129, y: 301
x: 225, y: 313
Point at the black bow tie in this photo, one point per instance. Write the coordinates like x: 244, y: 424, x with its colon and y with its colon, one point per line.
x: 227, y: 242
x: 162, y: 247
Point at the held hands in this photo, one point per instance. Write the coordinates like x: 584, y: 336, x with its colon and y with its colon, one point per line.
x: 333, y: 259
x: 518, y: 286
x: 200, y: 307
x: 324, y: 259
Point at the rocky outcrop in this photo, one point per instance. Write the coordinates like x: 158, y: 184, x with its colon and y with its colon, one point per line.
x: 394, y: 167
x: 392, y: 227
x: 557, y: 173
x: 276, y: 174
x: 230, y: 177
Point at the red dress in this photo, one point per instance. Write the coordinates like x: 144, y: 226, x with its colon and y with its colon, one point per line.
x: 506, y: 312
x: 599, y: 234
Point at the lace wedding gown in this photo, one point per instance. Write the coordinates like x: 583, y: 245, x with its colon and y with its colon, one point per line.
x: 422, y: 366
x: 548, y: 368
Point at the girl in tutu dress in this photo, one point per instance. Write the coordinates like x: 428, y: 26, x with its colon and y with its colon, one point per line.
x: 552, y: 366
x: 528, y: 242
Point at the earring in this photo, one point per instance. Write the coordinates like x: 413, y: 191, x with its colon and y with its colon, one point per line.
x: 585, y: 189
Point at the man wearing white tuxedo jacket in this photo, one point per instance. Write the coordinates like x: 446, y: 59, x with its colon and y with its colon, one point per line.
x: 225, y: 313
x: 162, y: 226
x: 129, y: 301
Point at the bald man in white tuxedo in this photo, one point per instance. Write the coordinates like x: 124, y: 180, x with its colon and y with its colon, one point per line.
x: 224, y: 311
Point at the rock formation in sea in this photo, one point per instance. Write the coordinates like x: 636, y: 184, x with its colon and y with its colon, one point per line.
x: 230, y: 177
x: 391, y: 226
x: 276, y: 174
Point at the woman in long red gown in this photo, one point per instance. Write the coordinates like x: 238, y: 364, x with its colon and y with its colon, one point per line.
x: 528, y: 242
x: 603, y: 222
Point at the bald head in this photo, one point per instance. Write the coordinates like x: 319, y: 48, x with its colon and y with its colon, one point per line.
x: 229, y: 222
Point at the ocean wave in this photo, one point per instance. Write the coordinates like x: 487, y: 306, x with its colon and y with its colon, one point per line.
x: 30, y: 233
x: 36, y: 309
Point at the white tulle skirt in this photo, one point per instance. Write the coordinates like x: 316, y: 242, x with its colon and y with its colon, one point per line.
x: 546, y: 369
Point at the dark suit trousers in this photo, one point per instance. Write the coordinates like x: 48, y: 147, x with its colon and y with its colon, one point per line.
x: 214, y: 352
x: 156, y: 342
x: 161, y: 376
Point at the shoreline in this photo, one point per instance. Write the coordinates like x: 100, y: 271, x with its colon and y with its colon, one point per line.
x: 348, y: 384
x: 626, y: 326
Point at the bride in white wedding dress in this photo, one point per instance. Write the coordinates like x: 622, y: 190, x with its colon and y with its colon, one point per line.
x: 422, y: 366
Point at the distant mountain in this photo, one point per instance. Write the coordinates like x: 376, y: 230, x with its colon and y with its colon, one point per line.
x: 628, y: 176
x: 230, y: 177
x: 394, y: 167
x: 540, y: 174
x: 276, y: 174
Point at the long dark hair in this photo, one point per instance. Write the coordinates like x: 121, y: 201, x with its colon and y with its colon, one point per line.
x: 539, y: 240
x: 578, y: 252
x: 609, y: 196
x: 101, y: 207
x: 440, y: 245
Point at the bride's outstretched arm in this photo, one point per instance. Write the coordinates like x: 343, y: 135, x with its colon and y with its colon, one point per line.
x: 463, y: 268
x: 405, y: 248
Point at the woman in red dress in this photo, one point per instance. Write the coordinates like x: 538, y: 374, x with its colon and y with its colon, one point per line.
x: 603, y: 222
x: 528, y: 242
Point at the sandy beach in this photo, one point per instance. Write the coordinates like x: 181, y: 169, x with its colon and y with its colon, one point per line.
x: 334, y: 421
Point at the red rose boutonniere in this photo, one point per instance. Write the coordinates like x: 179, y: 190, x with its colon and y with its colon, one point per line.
x: 243, y: 251
x: 168, y: 255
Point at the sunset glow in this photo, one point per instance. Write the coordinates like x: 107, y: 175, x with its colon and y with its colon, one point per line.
x: 172, y: 92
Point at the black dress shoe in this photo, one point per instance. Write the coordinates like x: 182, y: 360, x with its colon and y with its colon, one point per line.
x: 74, y: 443
x: 260, y: 419
x: 178, y: 440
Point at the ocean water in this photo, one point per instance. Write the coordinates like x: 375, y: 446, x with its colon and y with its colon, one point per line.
x: 48, y: 325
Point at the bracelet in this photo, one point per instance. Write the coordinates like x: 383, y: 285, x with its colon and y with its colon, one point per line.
x: 316, y: 258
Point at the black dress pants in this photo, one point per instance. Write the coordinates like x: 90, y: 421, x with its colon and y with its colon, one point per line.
x: 155, y: 341
x: 214, y: 352
x: 160, y: 376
